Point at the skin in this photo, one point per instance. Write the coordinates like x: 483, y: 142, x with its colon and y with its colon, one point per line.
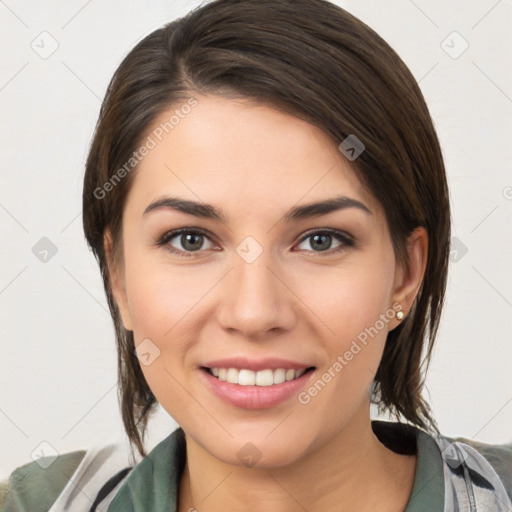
x: 294, y: 301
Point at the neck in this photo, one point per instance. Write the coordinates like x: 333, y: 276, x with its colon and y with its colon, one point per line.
x: 352, y: 470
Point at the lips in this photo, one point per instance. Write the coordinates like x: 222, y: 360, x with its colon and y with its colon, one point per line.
x: 255, y: 383
x: 255, y: 396
x: 256, y: 364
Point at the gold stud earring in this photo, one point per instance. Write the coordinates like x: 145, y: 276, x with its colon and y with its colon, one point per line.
x: 400, y: 315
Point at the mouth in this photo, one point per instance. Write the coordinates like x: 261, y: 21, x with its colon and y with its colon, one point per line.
x: 262, y: 378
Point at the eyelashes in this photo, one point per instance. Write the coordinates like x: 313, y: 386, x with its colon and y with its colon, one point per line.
x: 167, y: 237
x: 320, y: 235
x: 190, y: 237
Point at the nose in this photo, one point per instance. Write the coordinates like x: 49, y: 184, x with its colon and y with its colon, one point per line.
x: 255, y: 299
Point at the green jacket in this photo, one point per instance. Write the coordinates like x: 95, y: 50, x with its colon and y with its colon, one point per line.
x: 452, y: 474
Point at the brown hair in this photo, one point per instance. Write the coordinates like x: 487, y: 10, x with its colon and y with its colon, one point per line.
x: 314, y: 60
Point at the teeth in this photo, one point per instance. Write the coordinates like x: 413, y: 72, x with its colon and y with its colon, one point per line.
x: 290, y: 374
x: 279, y: 376
x: 262, y: 378
x: 232, y: 375
x: 245, y: 377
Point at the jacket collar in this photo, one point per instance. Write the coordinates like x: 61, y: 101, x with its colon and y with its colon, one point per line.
x: 152, y: 485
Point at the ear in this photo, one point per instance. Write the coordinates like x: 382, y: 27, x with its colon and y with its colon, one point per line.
x: 116, y: 279
x: 407, y: 283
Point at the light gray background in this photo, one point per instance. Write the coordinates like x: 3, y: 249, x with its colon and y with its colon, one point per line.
x: 58, y: 360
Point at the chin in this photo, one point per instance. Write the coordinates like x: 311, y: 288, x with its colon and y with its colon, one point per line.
x: 259, y: 450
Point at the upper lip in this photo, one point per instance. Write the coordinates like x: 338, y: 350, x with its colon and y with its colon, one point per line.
x: 255, y: 365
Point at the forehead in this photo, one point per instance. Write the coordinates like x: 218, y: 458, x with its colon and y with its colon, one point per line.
x: 243, y: 153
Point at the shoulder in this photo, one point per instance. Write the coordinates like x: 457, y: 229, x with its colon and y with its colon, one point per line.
x: 36, y: 485
x: 499, y: 457
x: 69, y: 481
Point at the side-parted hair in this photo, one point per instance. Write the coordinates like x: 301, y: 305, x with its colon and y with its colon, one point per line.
x: 313, y: 60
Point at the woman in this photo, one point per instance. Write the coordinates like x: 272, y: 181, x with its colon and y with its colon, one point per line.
x: 267, y: 200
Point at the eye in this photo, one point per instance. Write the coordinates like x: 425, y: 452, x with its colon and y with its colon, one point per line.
x: 184, y: 242
x: 320, y: 241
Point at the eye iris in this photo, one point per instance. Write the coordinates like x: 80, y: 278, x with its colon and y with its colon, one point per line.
x: 188, y: 240
x: 324, y: 238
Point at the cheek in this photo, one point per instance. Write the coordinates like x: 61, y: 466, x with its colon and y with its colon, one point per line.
x: 351, y: 305
x: 161, y: 296
x: 162, y: 302
x: 161, y: 299
x: 348, y: 299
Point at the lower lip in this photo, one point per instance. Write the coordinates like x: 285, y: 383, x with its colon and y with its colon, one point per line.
x: 255, y: 397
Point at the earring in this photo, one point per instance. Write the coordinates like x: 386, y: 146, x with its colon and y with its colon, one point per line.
x: 400, y: 315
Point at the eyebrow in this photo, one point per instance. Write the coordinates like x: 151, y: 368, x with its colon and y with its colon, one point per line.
x: 296, y: 213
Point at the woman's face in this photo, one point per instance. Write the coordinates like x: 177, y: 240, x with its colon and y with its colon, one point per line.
x: 255, y: 287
